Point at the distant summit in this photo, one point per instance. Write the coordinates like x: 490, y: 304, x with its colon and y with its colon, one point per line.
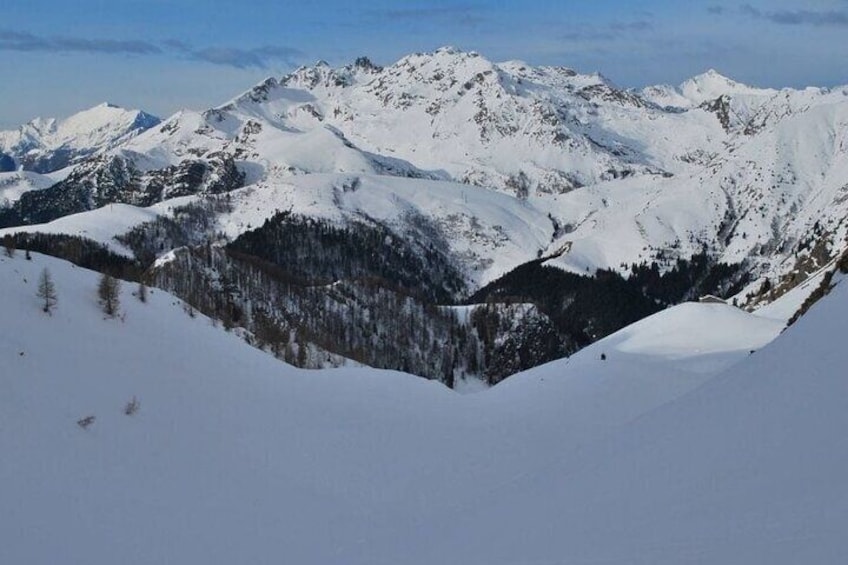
x: 46, y: 145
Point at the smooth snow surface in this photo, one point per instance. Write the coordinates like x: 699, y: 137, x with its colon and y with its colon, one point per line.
x: 673, y: 450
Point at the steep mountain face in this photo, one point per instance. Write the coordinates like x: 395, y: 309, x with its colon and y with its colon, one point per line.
x: 46, y: 145
x: 528, y: 187
x: 114, y: 179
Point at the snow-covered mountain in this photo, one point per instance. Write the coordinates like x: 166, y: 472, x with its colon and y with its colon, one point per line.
x: 747, y: 172
x: 666, y: 443
x: 47, y: 145
x: 480, y: 167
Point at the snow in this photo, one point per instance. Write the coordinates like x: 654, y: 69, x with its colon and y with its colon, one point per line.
x: 98, y: 128
x: 787, y: 305
x: 100, y: 225
x: 770, y: 186
x: 486, y: 232
x: 624, y: 178
x: 671, y: 332
x: 712, y: 84
x: 14, y: 184
x: 233, y: 456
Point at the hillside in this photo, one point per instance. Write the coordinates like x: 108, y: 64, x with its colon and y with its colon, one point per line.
x: 670, y: 450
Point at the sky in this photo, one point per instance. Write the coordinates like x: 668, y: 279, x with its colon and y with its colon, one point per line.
x: 58, y: 57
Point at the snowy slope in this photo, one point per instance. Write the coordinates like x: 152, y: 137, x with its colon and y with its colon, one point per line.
x: 749, y: 468
x: 500, y: 125
x: 486, y: 233
x: 100, y: 225
x: 646, y: 457
x: 13, y: 184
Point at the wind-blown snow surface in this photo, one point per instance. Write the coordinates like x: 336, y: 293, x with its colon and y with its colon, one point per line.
x: 654, y: 455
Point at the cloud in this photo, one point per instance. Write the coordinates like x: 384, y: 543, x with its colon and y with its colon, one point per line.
x: 640, y: 25
x: 259, y: 57
x: 587, y: 34
x: 610, y: 32
x: 177, y: 45
x: 23, y: 41
x: 816, y: 18
x: 463, y: 15
x: 715, y: 10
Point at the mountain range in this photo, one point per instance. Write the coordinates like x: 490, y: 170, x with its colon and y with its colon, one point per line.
x: 530, y: 210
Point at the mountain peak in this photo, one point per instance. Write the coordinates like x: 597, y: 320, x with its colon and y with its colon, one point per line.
x: 712, y: 84
x: 448, y: 50
x: 365, y: 64
x: 712, y: 77
x: 45, y: 145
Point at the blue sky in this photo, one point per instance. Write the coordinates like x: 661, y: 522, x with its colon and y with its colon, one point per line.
x: 58, y: 56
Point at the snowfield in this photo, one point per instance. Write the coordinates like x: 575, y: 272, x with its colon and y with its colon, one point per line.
x: 680, y: 447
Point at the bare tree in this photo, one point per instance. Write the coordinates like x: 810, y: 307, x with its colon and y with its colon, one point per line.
x: 141, y: 293
x: 47, y: 291
x: 108, y: 292
x: 9, y: 245
x: 132, y: 406
x: 84, y: 423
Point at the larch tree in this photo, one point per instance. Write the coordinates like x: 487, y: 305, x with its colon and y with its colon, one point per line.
x: 141, y: 293
x: 9, y: 245
x: 108, y: 291
x: 47, y: 291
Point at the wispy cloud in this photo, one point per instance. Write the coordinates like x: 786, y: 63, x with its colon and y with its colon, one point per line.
x: 23, y: 41
x: 801, y: 17
x: 617, y: 30
x: 639, y: 25
x: 466, y: 15
x: 259, y: 57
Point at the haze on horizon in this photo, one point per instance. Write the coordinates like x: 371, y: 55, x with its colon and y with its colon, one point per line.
x: 58, y: 58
